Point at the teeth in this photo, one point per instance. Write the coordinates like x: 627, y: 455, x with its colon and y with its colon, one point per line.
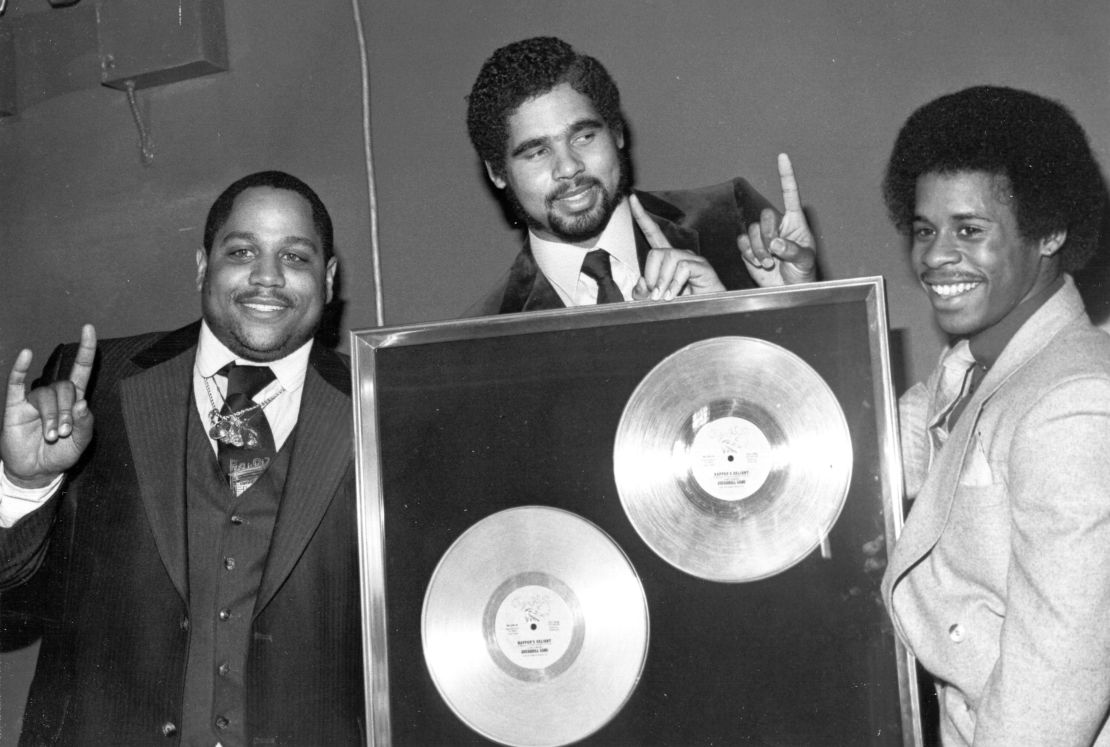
x: 574, y: 193
x: 952, y: 289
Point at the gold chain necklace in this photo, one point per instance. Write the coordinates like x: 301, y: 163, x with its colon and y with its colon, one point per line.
x: 232, y: 429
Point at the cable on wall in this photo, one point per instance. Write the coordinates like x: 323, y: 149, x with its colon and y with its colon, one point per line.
x: 146, y: 147
x: 372, y: 195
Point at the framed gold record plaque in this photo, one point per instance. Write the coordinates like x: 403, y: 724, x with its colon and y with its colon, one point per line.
x: 633, y: 524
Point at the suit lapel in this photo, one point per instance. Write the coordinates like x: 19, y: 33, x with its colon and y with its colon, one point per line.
x: 529, y: 289
x: 321, y: 460
x: 669, y: 219
x: 542, y: 295
x: 930, y: 512
x: 155, y: 405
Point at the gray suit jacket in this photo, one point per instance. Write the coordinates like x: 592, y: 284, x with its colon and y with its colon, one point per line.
x: 1000, y: 581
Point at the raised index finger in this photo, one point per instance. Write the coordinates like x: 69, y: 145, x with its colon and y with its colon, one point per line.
x: 791, y: 200
x: 83, y: 363
x: 654, y: 236
x: 16, y: 391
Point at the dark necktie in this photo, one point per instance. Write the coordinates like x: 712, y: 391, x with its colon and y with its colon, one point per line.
x: 246, y: 445
x: 596, y: 265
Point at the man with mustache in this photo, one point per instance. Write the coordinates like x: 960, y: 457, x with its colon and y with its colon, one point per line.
x: 1000, y: 581
x: 194, y: 561
x: 546, y: 122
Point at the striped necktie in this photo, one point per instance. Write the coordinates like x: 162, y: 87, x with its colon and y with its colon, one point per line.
x: 248, y: 447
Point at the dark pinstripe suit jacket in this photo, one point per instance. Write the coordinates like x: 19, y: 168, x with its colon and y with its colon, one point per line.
x: 106, y: 562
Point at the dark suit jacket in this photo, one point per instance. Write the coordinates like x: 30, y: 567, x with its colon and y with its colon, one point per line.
x: 110, y: 555
x: 705, y: 221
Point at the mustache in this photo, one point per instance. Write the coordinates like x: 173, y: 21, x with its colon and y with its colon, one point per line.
x: 564, y: 189
x: 271, y: 297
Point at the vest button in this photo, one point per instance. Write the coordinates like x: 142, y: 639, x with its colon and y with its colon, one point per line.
x: 236, y: 519
x: 224, y: 669
x: 222, y: 723
x: 225, y: 614
x: 169, y: 729
x: 185, y: 623
x: 229, y: 563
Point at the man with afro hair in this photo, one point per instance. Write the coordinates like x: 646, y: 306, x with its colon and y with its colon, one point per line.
x: 1000, y: 580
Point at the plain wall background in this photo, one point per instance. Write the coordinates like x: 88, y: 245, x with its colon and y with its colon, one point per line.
x: 711, y: 89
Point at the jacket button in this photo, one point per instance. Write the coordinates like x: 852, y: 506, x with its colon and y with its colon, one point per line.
x: 169, y: 729
x: 185, y: 623
x: 222, y: 723
x: 236, y: 519
x: 225, y: 614
x: 229, y: 563
x: 224, y: 669
x: 956, y: 633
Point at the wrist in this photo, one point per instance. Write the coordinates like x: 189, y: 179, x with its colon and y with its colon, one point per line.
x: 29, y: 483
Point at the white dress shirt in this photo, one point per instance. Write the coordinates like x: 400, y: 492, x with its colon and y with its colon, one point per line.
x: 562, y: 263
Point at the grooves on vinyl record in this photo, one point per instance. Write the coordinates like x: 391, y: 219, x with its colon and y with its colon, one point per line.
x: 535, y: 627
x: 732, y: 459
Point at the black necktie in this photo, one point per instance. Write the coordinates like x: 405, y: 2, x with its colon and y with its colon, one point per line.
x: 246, y: 446
x: 596, y: 265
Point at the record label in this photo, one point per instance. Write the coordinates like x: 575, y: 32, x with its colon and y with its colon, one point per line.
x: 730, y: 458
x: 534, y: 626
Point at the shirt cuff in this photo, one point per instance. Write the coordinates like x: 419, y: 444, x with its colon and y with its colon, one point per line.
x: 17, y: 502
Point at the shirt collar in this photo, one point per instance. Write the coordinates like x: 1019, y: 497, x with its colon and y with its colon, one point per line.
x: 212, y: 355
x: 988, y: 344
x: 562, y: 263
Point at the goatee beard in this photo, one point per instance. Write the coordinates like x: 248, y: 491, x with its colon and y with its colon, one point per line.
x: 582, y: 226
x: 577, y: 228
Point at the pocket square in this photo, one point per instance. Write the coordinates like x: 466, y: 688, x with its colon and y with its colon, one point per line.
x: 976, y: 471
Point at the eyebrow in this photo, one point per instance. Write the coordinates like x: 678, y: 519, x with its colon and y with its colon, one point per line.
x: 956, y: 216
x: 574, y: 128
x: 971, y: 216
x: 285, y: 241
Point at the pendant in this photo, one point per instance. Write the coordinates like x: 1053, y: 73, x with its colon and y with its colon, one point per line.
x: 230, y: 430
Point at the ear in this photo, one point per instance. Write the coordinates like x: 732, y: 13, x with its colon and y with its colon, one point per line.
x: 329, y: 278
x: 498, y: 181
x: 202, y: 267
x: 619, y: 137
x: 1053, y: 243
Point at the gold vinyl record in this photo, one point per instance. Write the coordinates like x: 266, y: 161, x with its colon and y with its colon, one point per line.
x: 535, y: 627
x: 732, y: 459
